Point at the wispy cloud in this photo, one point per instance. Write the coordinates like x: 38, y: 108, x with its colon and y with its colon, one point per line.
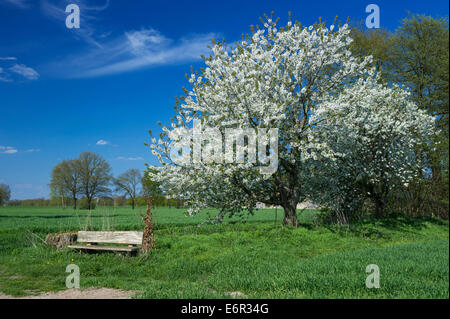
x: 14, y: 150
x: 87, y: 32
x: 122, y: 158
x: 9, y: 73
x: 55, y: 10
x: 109, y: 52
x: 102, y: 142
x: 135, y: 50
x: 8, y: 150
x: 22, y: 4
x: 4, y: 76
x: 24, y: 71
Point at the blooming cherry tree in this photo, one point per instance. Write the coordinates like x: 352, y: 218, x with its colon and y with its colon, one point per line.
x: 374, y: 132
x: 299, y: 80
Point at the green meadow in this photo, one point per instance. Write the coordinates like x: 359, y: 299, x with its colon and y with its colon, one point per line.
x: 254, y: 256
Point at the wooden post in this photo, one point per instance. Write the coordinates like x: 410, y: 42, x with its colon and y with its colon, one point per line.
x: 148, y: 241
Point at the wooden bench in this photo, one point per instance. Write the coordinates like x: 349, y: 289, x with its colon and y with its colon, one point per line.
x: 93, y: 238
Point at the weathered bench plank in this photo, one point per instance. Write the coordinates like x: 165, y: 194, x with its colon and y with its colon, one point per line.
x: 107, y: 248
x: 113, y: 237
x: 92, y: 238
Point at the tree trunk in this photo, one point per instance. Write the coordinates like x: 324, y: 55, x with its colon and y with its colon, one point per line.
x: 435, y: 171
x: 290, y: 213
x: 74, y: 203
x: 132, y: 203
x: 89, y: 203
x: 380, y: 203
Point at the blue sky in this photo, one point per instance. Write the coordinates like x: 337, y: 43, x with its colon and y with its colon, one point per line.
x: 102, y: 87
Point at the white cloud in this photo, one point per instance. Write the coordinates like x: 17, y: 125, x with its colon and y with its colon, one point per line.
x: 134, y: 50
x: 7, y: 75
x: 141, y: 42
x: 102, y: 142
x: 122, y: 158
x: 13, y: 150
x: 24, y: 71
x: 8, y: 150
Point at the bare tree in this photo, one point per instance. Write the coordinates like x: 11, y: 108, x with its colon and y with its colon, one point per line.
x: 65, y: 180
x: 57, y: 187
x: 95, y: 175
x: 129, y: 183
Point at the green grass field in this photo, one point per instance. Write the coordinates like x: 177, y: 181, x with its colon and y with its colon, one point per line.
x: 255, y: 256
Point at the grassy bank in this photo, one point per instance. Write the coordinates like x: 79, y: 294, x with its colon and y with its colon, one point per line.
x: 254, y: 256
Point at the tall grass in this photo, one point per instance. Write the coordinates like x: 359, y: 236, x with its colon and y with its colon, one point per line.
x: 256, y: 257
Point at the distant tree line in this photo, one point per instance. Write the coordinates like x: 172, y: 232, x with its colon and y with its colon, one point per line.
x: 118, y: 201
x: 86, y: 182
x: 88, y: 179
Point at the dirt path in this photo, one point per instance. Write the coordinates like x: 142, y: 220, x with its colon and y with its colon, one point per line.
x: 89, y: 293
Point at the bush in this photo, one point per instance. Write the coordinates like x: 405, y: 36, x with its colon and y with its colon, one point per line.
x: 84, y: 203
x: 421, y: 198
x: 328, y: 216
